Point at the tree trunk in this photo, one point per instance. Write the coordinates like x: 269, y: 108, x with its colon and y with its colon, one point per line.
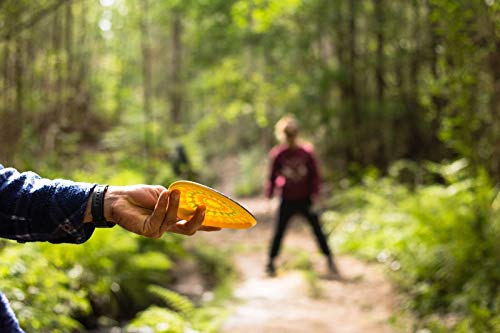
x: 68, y: 41
x: 146, y: 82
x: 400, y: 122
x: 176, y: 93
x: 324, y: 40
x: 494, y: 62
x: 383, y: 155
x: 250, y: 41
x: 342, y: 49
x: 352, y: 88
x: 80, y: 66
x: 59, y: 86
x: 433, y: 59
x: 416, y: 141
x: 5, y: 70
x: 14, y: 111
x: 19, y: 69
x: 438, y: 102
x: 380, y: 61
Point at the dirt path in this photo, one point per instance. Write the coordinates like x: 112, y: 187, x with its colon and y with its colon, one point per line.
x: 299, y: 301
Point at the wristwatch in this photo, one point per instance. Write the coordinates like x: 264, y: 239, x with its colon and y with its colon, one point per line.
x: 97, y: 208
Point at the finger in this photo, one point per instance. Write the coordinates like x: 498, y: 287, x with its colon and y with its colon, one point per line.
x: 178, y: 227
x: 195, y: 223
x: 173, y: 207
x: 209, y: 228
x: 156, y: 219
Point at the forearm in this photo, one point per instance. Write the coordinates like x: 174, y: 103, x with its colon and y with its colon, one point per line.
x: 37, y: 209
x: 59, y: 211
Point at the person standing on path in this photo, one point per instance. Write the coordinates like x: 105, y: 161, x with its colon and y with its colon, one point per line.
x: 294, y: 169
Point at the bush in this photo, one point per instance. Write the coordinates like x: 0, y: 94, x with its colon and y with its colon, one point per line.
x: 158, y: 320
x: 60, y: 288
x: 252, y: 173
x: 178, y: 316
x: 441, y: 241
x: 42, y: 295
x: 48, y: 284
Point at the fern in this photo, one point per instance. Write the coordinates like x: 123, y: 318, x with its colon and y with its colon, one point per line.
x: 173, y: 300
x: 158, y: 320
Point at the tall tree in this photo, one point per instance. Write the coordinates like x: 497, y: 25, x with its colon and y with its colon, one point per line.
x: 383, y: 153
x: 352, y: 93
x: 494, y: 69
x: 412, y: 105
x: 176, y: 91
x: 380, y: 59
x: 146, y: 82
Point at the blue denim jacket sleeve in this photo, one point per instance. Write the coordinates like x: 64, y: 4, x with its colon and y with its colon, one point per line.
x: 37, y: 209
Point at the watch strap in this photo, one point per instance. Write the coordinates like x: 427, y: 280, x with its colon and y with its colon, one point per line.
x: 97, y: 208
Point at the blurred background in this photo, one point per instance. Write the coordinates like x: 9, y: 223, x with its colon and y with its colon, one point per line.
x: 400, y: 98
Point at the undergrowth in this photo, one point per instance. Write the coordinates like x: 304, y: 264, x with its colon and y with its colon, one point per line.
x: 440, y: 241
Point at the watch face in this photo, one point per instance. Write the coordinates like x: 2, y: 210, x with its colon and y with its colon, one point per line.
x: 221, y: 211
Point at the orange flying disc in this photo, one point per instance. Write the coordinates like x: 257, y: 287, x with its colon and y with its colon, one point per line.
x: 221, y: 211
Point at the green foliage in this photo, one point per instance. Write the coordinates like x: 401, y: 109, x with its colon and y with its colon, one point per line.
x: 175, y: 301
x: 181, y: 316
x: 158, y: 320
x: 371, y: 82
x: 42, y: 295
x: 468, y: 32
x: 252, y: 173
x: 441, y: 241
x: 162, y: 320
x: 51, y: 285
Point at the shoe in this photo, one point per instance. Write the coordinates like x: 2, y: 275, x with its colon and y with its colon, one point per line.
x: 271, y: 269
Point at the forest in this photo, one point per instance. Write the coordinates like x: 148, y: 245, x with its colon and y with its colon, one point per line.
x: 401, y: 100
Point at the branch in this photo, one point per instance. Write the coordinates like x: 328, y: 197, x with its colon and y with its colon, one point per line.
x: 12, y: 32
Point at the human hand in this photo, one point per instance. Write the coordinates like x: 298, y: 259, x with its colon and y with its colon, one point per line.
x: 150, y: 211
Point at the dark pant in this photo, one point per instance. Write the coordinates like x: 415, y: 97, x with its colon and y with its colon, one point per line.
x: 288, y: 208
